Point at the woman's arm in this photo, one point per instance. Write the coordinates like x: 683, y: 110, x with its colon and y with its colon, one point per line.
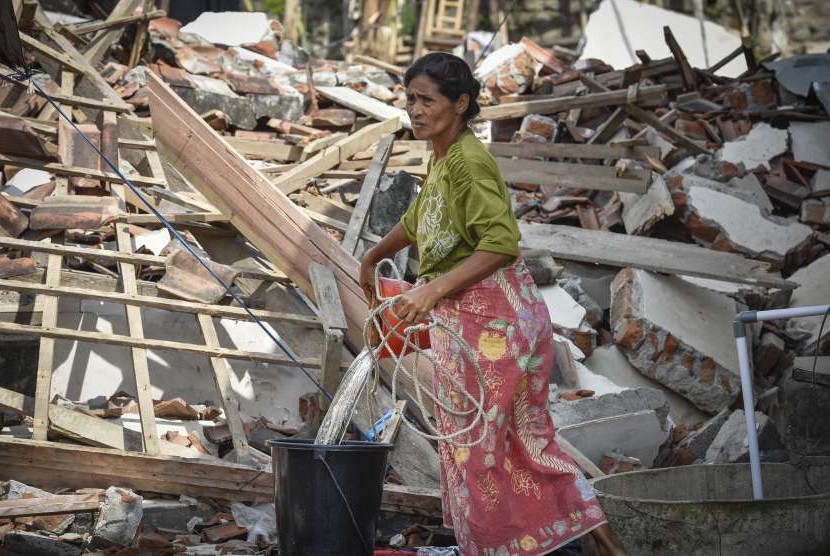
x: 416, y: 304
x: 391, y: 243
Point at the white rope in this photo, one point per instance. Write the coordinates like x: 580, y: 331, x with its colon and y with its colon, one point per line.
x: 367, y: 363
x: 378, y: 320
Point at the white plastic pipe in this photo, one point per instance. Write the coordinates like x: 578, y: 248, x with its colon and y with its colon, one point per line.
x: 749, y: 413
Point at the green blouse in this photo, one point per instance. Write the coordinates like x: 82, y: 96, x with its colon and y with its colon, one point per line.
x: 463, y: 206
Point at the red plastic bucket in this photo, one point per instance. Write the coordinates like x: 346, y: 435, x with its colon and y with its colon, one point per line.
x: 387, y: 321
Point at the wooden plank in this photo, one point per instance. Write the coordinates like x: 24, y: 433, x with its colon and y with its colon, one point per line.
x: 573, y: 150
x: 357, y: 101
x: 563, y: 104
x: 334, y: 325
x: 147, y: 343
x: 391, y: 430
x: 583, y: 176
x: 397, y: 71
x: 109, y: 23
x: 55, y: 465
x: 50, y: 505
x: 89, y: 430
x: 270, y: 150
x: 47, y: 51
x: 176, y: 218
x: 321, y: 143
x: 95, y: 53
x: 367, y: 191
x: 115, y: 256
x: 686, y: 71
x: 221, y: 376
x: 164, y: 303
x: 297, y: 178
x: 656, y: 255
x: 84, y: 102
x: 336, y: 224
x: 649, y: 118
x: 75, y: 171
x: 609, y: 127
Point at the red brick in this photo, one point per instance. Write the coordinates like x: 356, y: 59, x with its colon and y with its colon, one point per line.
x: 631, y: 335
x: 707, y: 370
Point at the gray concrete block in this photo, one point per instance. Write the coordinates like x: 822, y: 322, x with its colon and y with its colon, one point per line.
x: 731, y: 444
x: 118, y: 520
x: 565, y: 412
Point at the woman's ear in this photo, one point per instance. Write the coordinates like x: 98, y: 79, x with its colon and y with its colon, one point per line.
x: 462, y: 104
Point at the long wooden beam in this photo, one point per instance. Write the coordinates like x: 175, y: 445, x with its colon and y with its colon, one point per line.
x: 563, y: 104
x: 583, y: 176
x: 76, y: 171
x: 115, y: 256
x: 54, y: 465
x: 50, y: 505
x: 149, y: 343
x: 574, y: 150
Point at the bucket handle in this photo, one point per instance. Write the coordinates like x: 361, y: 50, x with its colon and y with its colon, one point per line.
x: 320, y: 455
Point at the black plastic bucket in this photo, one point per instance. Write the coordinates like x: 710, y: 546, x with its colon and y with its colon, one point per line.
x: 327, y: 497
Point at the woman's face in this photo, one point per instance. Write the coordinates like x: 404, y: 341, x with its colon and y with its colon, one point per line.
x: 432, y: 114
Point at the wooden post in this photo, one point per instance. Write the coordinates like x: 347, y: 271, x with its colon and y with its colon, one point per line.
x: 291, y: 20
x: 328, y: 301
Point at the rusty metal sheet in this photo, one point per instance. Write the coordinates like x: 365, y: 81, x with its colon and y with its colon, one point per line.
x: 186, y: 278
x: 17, y: 138
x: 16, y: 267
x: 12, y: 221
x: 80, y: 212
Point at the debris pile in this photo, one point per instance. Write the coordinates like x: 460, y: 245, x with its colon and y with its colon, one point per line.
x: 656, y: 201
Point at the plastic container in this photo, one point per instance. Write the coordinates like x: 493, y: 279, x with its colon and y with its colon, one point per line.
x: 390, y: 287
x: 327, y: 497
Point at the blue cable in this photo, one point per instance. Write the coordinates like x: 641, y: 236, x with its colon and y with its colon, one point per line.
x: 25, y: 75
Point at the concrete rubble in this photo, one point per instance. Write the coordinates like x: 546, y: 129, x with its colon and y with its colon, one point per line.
x: 700, y: 193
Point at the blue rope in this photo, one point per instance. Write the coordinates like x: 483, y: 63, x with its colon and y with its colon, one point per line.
x: 25, y: 75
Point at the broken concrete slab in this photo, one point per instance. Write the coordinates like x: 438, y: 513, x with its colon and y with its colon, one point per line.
x: 641, y: 212
x: 565, y: 312
x: 595, y: 278
x: 814, y: 289
x: 573, y: 287
x: 810, y: 142
x: 230, y: 28
x: 244, y: 111
x: 118, y: 519
x: 762, y: 144
x: 572, y: 412
x: 758, y: 299
x: 692, y: 449
x: 731, y: 444
x: 677, y: 334
x: 610, y: 362
x: 638, y: 434
x: 616, y: 29
x: 726, y: 222
x: 820, y: 183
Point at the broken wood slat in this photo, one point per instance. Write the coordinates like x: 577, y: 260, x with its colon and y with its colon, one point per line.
x: 75, y: 171
x: 393, y: 162
x: 190, y: 203
x: 177, y: 218
x: 65, y: 61
x: 686, y: 71
x: 221, y: 376
x: 95, y: 53
x: 164, y: 303
x: 391, y: 430
x: 147, y: 343
x: 270, y: 149
x: 55, y: 465
x: 84, y: 102
x: 601, y: 178
x: 573, y: 150
x: 367, y: 191
x: 319, y: 144
x: 296, y: 179
x: 334, y: 326
x: 364, y: 104
x: 386, y: 66
x: 86, y: 28
x: 89, y: 430
x: 138, y: 144
x: 608, y: 128
x: 339, y: 225
x: 656, y: 255
x: 50, y: 505
x: 563, y: 104
x: 115, y: 256
x: 649, y: 118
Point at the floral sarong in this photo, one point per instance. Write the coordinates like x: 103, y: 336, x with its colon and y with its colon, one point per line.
x: 517, y: 492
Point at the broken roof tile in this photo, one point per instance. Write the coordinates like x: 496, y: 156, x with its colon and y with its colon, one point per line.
x: 18, y: 138
x: 82, y: 212
x: 187, y: 278
x: 12, y: 221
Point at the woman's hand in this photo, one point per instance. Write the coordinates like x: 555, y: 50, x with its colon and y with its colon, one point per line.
x: 367, y: 278
x: 415, y: 305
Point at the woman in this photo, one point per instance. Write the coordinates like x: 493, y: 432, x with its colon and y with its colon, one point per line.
x: 516, y: 492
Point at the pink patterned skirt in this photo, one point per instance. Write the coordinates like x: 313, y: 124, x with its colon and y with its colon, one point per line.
x: 517, y: 492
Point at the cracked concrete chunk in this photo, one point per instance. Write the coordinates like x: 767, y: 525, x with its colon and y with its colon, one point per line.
x: 678, y: 334
x: 571, y: 412
x: 740, y: 226
x: 118, y: 519
x: 811, y: 142
x: 757, y: 148
x: 641, y: 212
x: 565, y: 312
x: 230, y: 28
x: 507, y: 71
x: 814, y: 289
x: 820, y: 184
x: 731, y: 444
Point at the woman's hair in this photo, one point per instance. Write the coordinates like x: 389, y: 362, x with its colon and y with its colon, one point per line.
x: 453, y: 76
